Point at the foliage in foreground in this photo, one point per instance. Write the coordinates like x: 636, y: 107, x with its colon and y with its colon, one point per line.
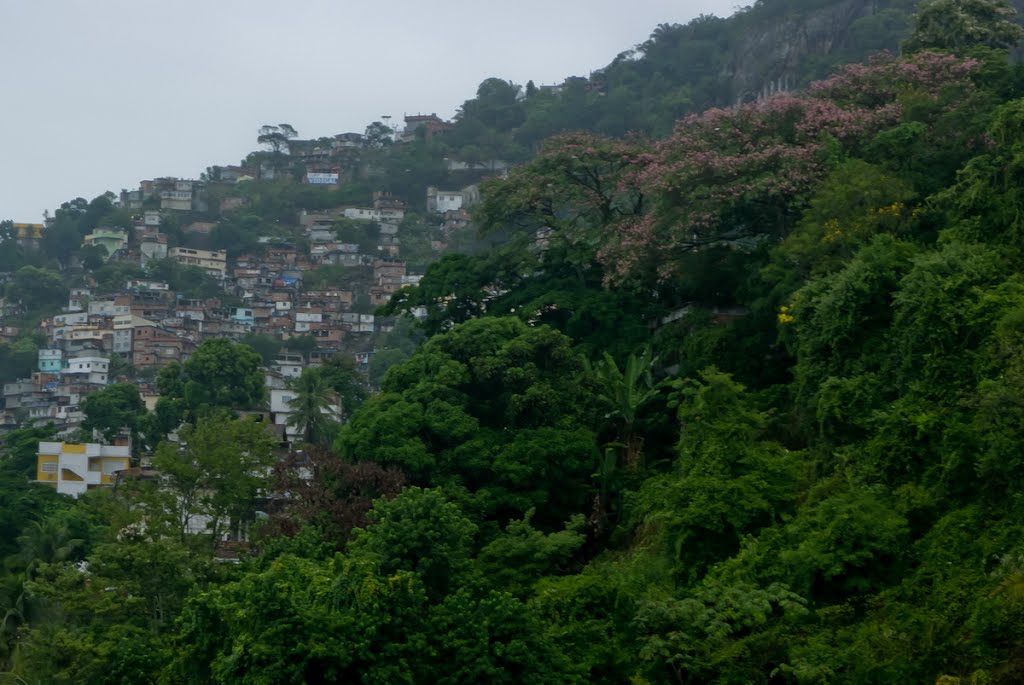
x: 808, y: 471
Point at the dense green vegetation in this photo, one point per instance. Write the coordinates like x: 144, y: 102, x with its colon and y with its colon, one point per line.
x: 738, y: 405
x: 681, y: 69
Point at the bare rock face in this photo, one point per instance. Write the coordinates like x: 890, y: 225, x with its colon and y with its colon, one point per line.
x: 773, y: 54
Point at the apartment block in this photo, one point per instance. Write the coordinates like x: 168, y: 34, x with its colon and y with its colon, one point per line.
x: 73, y: 468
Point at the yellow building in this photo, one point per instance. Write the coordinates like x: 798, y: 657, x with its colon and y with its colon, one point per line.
x: 74, y: 468
x: 28, y: 231
x: 214, y: 262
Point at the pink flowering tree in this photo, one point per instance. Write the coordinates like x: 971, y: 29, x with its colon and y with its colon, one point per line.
x: 727, y: 177
x: 740, y: 176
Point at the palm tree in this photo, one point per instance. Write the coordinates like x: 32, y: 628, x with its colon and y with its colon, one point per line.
x: 48, y: 541
x: 624, y: 392
x: 313, y: 407
x: 43, y: 542
x: 1011, y: 583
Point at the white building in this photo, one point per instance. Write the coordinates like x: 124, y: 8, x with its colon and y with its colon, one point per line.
x: 359, y: 323
x: 92, y: 370
x: 151, y: 286
x: 63, y: 324
x: 441, y: 201
x: 281, y: 412
x: 288, y: 365
x: 74, y: 468
x: 362, y: 213
x: 152, y: 247
x: 309, y: 317
x: 108, y: 308
x: 215, y: 262
x: 78, y: 299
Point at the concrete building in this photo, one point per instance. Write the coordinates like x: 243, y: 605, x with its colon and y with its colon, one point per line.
x: 87, y: 370
x: 152, y: 246
x: 106, y: 308
x: 362, y: 213
x: 73, y: 468
x: 215, y: 262
x: 288, y: 365
x: 157, y: 346
x: 431, y: 124
x: 51, y: 360
x: 78, y: 298
x: 177, y: 194
x: 442, y: 201
x: 111, y: 239
x: 281, y: 412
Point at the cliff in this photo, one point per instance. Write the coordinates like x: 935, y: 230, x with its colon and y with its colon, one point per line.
x: 781, y: 52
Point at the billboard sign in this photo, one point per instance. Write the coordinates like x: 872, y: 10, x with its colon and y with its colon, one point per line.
x: 322, y: 179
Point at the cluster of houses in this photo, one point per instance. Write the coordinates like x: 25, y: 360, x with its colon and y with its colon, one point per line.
x: 145, y: 325
x: 329, y: 161
x: 128, y: 334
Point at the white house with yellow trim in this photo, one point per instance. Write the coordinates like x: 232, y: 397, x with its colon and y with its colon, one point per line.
x: 74, y: 468
x: 215, y: 262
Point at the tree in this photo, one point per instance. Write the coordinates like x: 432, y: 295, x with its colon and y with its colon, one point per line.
x: 112, y: 409
x: 697, y: 638
x: 46, y: 541
x: 419, y: 531
x: 314, y: 409
x: 826, y: 559
x: 220, y: 374
x: 572, y: 192
x: 453, y: 290
x: 342, y: 376
x: 329, y: 493
x: 378, y: 135
x: 959, y: 25
x: 496, y: 105
x: 624, y: 392
x: 93, y: 256
x: 216, y: 472
x: 365, y: 234
x: 837, y: 326
x: 291, y: 634
x: 716, y: 181
x: 105, y: 620
x: 185, y: 279
x: 492, y: 408
x: 265, y: 345
x: 276, y: 138
x: 18, y: 360
x: 522, y: 555
x: 12, y: 255
x: 727, y: 482
x: 303, y: 344
x: 37, y: 288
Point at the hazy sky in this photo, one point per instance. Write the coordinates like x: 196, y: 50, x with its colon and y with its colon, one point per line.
x: 96, y: 95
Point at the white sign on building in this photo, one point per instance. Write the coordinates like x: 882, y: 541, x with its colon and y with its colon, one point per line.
x: 322, y: 179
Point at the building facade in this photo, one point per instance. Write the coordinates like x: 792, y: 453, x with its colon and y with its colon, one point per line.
x: 74, y: 468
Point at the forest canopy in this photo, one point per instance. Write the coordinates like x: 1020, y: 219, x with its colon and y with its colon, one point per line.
x: 737, y: 401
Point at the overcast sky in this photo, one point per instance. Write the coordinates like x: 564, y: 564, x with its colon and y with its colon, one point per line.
x: 96, y: 95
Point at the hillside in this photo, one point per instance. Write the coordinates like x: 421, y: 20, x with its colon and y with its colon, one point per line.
x: 739, y: 403
x: 709, y: 62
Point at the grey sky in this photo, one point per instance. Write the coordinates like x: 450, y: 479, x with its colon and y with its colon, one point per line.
x: 98, y: 94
